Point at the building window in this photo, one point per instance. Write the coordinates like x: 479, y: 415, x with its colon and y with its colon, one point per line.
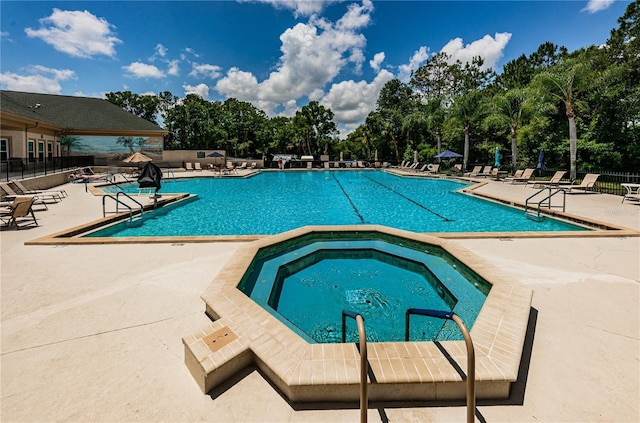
x: 50, y: 150
x: 41, y: 150
x: 4, y: 149
x: 31, y: 145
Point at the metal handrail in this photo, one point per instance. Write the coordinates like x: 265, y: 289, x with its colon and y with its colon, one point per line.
x: 364, y: 363
x: 547, y: 198
x: 130, y: 198
x: 471, y: 355
x: 104, y: 211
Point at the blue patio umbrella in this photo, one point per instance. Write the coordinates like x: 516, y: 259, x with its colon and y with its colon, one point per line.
x: 497, y: 163
x: 215, y: 154
x: 541, y: 160
x: 447, y: 155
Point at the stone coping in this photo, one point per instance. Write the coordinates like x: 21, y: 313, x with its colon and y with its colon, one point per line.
x: 399, y: 371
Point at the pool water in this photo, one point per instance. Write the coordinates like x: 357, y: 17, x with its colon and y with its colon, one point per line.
x: 307, y: 286
x: 274, y: 202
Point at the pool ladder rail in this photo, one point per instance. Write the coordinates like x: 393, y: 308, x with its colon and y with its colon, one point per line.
x: 119, y: 202
x: 546, y: 201
x: 364, y: 364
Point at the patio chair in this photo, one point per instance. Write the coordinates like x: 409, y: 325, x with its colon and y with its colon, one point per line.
x: 188, y: 166
x: 9, y: 193
x: 524, y: 178
x: 242, y: 166
x: 486, y: 171
x: 555, y: 180
x: 197, y: 166
x: 476, y: 170
x: 21, y: 211
x: 433, y: 168
x: 586, y: 186
x: 23, y: 190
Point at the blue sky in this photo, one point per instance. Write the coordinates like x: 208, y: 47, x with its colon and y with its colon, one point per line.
x: 276, y: 54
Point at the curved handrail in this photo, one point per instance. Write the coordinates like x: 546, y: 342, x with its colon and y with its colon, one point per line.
x: 471, y: 355
x: 130, y: 198
x: 104, y: 211
x: 364, y: 363
x: 547, y: 198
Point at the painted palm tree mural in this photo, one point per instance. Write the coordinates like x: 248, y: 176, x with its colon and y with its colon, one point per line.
x: 111, y: 148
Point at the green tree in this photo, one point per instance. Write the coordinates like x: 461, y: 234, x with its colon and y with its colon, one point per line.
x: 560, y: 82
x: 467, y: 112
x: 512, y: 108
x: 315, y: 127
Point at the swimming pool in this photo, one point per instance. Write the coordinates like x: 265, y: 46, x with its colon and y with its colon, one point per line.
x: 274, y: 202
x: 307, y: 282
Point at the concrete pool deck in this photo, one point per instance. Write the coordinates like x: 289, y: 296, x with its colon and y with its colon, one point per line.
x: 93, y: 333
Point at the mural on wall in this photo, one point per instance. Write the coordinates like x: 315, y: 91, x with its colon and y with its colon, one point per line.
x: 112, y: 149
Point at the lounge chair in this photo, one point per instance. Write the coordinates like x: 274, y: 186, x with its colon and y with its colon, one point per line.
x: 486, y: 171
x: 11, y: 194
x: 188, y: 166
x: 433, y: 168
x: 25, y: 190
x: 413, y: 166
x: 244, y: 165
x: 555, y: 180
x: 360, y: 164
x: 231, y: 167
x: 197, y: 166
x: 632, y: 192
x: 587, y: 184
x: 21, y: 211
x: 254, y: 165
x: 524, y: 178
x: 422, y: 169
x: 476, y: 170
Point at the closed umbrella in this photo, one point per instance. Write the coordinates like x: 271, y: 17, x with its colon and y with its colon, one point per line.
x: 540, y: 160
x: 415, y: 156
x: 497, y: 163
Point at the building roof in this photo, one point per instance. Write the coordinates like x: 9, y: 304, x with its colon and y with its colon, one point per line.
x: 73, y: 114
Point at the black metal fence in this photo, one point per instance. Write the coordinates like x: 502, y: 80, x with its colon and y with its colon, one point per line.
x: 24, y: 168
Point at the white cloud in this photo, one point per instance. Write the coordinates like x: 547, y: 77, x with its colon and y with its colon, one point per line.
x: 205, y: 71
x: 419, y: 56
x: 594, y: 6
x: 201, y: 89
x: 142, y: 70
x: 79, y: 34
x: 313, y: 54
x: 38, y: 79
x: 377, y: 60
x: 4, y: 35
x: 161, y: 50
x: 298, y: 7
x: 173, y: 67
x: 489, y: 48
x: 351, y: 101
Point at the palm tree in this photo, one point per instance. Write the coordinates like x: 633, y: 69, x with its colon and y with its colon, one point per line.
x: 69, y: 142
x: 468, y: 109
x: 560, y: 82
x: 513, y: 108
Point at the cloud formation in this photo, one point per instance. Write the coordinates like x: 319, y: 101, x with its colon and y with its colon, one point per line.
x: 76, y: 33
x: 298, y: 7
x: 489, y: 48
x: 594, y: 6
x: 143, y: 70
x: 39, y: 79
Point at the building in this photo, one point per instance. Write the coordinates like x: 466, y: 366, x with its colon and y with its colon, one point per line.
x: 31, y: 125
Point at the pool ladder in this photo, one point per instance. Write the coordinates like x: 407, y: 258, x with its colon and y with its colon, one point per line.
x: 364, y: 364
x: 536, y: 215
x: 120, y: 202
x: 471, y: 355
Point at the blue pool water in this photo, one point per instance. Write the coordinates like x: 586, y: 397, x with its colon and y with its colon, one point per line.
x: 274, y: 202
x: 308, y: 285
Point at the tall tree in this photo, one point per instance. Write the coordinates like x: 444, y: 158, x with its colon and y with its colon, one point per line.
x: 512, y: 109
x: 468, y: 110
x: 560, y: 82
x: 315, y: 126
